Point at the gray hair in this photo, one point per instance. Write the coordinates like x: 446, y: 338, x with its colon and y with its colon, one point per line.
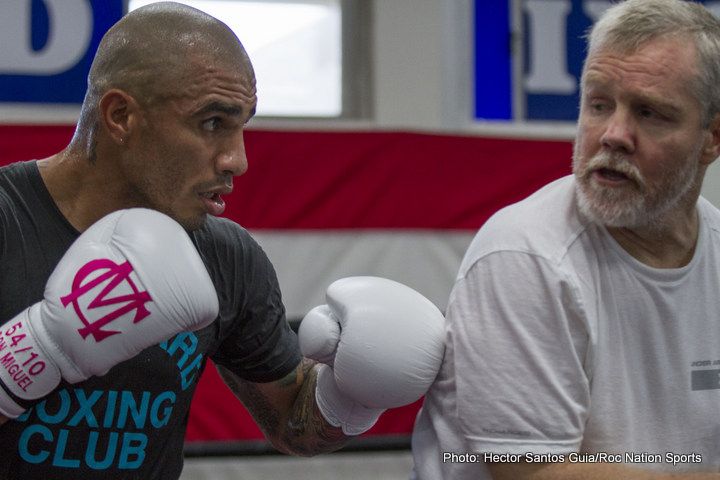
x: 627, y: 26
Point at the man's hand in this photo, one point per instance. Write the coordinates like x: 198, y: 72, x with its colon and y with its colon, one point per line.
x: 385, y: 343
x: 132, y: 280
x: 381, y: 344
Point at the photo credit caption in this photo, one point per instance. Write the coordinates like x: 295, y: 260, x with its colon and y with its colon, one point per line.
x: 670, y: 458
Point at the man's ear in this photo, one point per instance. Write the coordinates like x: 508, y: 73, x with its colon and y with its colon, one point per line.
x: 118, y: 114
x: 711, y: 148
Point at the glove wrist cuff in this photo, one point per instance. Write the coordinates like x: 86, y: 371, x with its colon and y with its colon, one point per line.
x: 28, y: 371
x: 338, y: 409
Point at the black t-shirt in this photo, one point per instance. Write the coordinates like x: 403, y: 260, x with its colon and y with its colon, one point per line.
x: 131, y: 422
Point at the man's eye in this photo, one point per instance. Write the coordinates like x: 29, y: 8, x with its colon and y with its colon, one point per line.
x: 648, y: 113
x: 596, y: 108
x: 211, y: 124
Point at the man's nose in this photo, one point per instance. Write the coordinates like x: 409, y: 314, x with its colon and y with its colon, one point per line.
x: 619, y: 132
x: 232, y: 160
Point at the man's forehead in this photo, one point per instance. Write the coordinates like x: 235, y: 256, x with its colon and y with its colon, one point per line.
x: 236, y: 65
x: 661, y: 63
x: 674, y: 51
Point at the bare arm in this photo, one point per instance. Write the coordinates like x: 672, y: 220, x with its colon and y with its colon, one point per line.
x: 286, y: 412
x: 584, y: 471
x: 3, y: 419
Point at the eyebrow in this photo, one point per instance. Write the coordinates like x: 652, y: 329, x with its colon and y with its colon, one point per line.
x: 662, y: 103
x: 222, y: 107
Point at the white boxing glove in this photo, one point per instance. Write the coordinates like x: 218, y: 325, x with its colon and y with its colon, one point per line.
x: 382, y: 344
x: 131, y: 281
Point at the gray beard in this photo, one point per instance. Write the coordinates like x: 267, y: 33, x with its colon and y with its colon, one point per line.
x: 647, y: 207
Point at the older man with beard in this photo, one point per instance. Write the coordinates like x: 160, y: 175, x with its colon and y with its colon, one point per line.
x: 582, y: 332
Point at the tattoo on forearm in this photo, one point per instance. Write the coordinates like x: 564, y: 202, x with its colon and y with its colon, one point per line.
x: 266, y: 416
x: 300, y: 421
x: 308, y: 423
x: 302, y: 430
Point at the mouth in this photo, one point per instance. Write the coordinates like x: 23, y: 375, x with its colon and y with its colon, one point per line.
x: 610, y: 175
x: 213, y: 201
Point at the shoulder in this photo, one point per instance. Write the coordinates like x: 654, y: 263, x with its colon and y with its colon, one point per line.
x: 13, y: 181
x: 8, y: 178
x: 221, y: 228
x: 13, y: 173
x: 709, y: 214
x: 222, y: 234
x: 17, y: 181
x: 546, y: 224
x: 225, y: 246
x: 710, y: 217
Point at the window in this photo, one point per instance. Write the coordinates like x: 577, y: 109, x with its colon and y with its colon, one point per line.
x: 297, y: 51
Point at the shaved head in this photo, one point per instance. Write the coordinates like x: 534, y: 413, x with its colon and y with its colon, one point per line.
x: 150, y: 50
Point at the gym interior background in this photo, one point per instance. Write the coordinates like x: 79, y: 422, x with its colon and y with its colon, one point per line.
x: 444, y: 112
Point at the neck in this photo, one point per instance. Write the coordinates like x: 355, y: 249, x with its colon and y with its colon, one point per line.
x: 672, y: 245
x: 669, y: 239
x: 83, y: 190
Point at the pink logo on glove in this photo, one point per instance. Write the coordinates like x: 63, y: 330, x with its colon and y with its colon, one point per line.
x: 115, y: 274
